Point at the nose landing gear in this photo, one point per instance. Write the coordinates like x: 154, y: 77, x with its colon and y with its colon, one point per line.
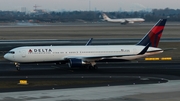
x: 17, y: 66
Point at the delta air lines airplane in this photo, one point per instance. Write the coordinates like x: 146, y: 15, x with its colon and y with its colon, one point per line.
x: 88, y: 55
x: 123, y: 20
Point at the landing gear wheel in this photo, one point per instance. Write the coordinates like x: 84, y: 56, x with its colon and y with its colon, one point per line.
x: 92, y: 67
x: 17, y: 66
x: 95, y: 67
x: 89, y: 67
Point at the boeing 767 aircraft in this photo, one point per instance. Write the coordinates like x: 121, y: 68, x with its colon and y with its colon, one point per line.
x: 88, y: 55
x: 122, y: 20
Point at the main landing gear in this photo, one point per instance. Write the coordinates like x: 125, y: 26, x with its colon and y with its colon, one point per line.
x: 91, y: 67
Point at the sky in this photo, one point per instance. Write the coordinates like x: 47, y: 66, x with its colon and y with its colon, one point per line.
x: 86, y: 5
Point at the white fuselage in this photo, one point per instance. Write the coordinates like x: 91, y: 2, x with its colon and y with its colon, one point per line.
x: 123, y: 20
x: 128, y: 20
x: 86, y: 53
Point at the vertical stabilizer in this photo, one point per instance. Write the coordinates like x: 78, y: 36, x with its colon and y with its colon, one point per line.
x: 154, y: 35
x: 105, y: 17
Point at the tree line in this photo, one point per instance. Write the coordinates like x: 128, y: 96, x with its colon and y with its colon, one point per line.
x: 87, y: 16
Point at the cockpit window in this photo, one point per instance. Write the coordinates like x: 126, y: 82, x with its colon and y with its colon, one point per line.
x: 11, y: 52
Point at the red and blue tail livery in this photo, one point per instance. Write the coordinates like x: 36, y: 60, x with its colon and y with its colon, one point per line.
x: 154, y: 35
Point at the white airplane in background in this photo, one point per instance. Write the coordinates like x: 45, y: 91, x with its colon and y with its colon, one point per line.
x: 88, y: 55
x: 122, y: 20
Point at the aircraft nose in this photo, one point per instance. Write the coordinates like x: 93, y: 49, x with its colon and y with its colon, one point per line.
x: 6, y: 56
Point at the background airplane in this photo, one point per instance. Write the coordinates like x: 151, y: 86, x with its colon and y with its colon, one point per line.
x: 88, y: 55
x: 122, y: 20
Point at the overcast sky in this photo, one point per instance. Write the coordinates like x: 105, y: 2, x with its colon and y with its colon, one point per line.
x: 85, y: 5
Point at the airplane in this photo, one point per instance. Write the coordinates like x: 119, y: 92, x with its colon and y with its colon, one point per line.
x: 87, y: 56
x: 122, y: 20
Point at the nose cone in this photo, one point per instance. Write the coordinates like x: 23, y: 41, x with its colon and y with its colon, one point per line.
x: 6, y: 56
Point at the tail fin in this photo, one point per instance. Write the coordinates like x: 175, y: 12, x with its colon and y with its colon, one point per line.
x: 105, y: 17
x: 154, y: 35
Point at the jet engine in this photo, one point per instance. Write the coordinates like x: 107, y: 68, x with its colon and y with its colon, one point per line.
x: 76, y: 63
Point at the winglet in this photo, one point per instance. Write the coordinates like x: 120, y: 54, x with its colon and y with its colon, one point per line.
x: 145, y: 49
x: 154, y: 35
x: 89, y: 42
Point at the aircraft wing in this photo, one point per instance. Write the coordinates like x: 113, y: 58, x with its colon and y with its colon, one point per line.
x: 96, y: 58
x: 124, y: 21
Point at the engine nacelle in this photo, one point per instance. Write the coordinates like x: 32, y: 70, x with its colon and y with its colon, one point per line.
x: 76, y: 63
